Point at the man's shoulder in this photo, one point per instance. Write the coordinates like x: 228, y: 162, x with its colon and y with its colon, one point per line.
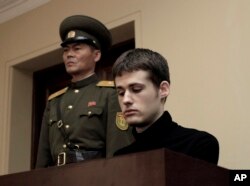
x: 58, y: 93
x: 193, y: 136
x: 197, y: 143
x: 194, y: 132
x: 106, y: 86
x: 106, y: 83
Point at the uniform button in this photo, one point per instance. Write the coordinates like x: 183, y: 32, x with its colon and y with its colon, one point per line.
x: 64, y: 145
x: 70, y: 106
x: 89, y: 113
x: 66, y: 126
x: 76, y: 91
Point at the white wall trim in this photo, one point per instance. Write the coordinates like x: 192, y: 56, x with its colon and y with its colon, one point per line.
x: 6, y: 121
x: 136, y: 17
x: 7, y: 101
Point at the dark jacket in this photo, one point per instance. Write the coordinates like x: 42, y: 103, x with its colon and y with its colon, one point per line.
x: 166, y: 133
x: 89, y: 113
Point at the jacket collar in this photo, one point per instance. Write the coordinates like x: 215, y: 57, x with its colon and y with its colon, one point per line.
x: 84, y: 82
x: 162, y: 127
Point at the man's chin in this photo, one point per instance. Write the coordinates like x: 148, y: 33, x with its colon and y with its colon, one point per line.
x: 70, y: 71
x: 132, y: 122
x: 136, y: 123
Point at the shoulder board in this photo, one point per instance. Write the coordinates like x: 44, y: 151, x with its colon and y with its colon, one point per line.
x: 105, y: 84
x: 58, y: 93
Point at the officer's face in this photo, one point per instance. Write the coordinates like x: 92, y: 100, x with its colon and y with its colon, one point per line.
x: 140, y: 101
x: 80, y: 59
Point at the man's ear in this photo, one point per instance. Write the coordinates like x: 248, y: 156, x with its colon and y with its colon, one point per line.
x: 164, y: 89
x: 98, y: 55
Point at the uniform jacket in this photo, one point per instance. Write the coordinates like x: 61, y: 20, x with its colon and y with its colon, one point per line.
x: 88, y: 112
x: 165, y: 133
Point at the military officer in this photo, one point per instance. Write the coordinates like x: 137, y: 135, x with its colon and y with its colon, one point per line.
x: 82, y: 121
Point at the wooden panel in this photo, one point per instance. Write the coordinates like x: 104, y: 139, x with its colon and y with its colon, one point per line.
x: 153, y: 168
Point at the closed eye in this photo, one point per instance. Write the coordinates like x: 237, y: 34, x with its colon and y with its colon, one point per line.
x: 137, y: 88
x: 120, y: 92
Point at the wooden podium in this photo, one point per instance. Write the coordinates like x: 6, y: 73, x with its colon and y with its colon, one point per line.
x: 152, y: 168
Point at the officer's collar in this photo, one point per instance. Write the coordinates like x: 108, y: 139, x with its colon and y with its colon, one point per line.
x: 84, y: 82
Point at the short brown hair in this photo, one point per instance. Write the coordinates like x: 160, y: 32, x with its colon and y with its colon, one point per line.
x: 143, y: 59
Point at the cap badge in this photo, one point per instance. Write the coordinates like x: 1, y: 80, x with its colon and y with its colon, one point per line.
x: 121, y: 122
x: 71, y: 34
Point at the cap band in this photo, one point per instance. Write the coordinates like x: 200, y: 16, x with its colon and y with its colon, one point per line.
x: 74, y: 36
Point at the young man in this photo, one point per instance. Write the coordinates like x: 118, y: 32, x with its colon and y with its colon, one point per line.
x: 143, y: 83
x: 79, y: 121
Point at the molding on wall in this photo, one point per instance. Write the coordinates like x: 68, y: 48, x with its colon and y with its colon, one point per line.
x: 21, y: 62
x: 6, y: 123
x: 13, y: 8
x: 136, y: 17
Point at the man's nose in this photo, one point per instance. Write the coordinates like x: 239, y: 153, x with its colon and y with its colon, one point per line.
x: 127, y: 98
x: 70, y: 53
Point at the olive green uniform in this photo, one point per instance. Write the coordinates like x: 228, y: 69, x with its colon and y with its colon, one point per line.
x: 89, y: 113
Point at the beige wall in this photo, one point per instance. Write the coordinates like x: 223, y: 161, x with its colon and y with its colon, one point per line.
x: 206, y: 43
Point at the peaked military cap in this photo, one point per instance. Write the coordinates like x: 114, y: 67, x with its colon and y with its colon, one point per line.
x: 81, y: 28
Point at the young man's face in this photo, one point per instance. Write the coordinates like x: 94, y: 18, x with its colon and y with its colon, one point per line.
x: 140, y: 100
x: 80, y: 59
